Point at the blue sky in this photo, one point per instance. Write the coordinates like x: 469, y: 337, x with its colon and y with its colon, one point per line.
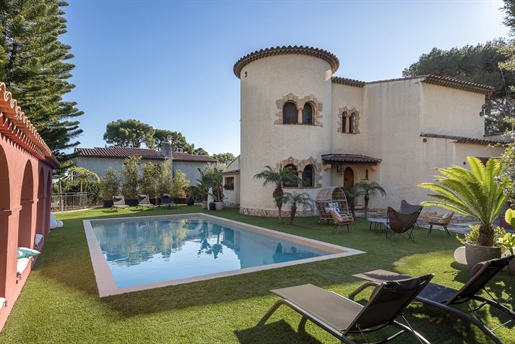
x: 170, y: 63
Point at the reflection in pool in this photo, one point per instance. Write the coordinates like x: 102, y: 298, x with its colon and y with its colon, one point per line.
x: 153, y: 251
x: 130, y: 254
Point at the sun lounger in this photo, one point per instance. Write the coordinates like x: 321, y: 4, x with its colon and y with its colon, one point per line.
x: 119, y: 202
x: 340, y: 316
x: 166, y: 201
x: 144, y: 202
x: 446, y: 298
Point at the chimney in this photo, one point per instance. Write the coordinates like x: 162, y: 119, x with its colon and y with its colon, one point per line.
x: 166, y: 150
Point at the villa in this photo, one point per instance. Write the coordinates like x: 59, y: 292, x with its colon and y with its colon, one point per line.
x: 336, y: 132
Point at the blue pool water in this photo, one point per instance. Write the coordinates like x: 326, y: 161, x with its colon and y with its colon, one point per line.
x: 152, y: 251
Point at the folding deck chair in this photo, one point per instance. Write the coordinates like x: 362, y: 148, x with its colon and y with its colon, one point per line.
x: 340, y: 316
x: 445, y: 298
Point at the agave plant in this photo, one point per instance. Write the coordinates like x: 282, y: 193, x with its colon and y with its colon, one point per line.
x: 476, y: 193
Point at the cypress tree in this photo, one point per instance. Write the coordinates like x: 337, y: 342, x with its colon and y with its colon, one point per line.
x: 33, y: 64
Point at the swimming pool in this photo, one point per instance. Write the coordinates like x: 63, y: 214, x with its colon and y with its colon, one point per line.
x: 137, y: 253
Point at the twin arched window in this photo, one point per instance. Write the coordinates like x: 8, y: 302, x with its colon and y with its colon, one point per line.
x: 308, y: 177
x: 290, y: 113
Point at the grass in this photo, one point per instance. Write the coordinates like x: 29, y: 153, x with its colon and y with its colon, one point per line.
x: 60, y: 303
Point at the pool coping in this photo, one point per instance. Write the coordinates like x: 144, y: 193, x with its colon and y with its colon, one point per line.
x: 107, y: 286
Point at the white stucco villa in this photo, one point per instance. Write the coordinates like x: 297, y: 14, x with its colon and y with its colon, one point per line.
x: 336, y: 131
x: 100, y: 159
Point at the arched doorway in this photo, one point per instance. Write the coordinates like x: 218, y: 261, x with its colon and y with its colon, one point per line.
x: 348, y: 178
x: 4, y: 218
x: 27, y: 199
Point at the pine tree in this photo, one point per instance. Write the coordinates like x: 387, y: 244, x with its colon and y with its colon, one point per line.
x: 33, y: 64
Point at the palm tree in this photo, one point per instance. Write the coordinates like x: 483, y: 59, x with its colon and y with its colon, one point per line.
x: 477, y: 193
x: 351, y: 194
x: 294, y: 200
x: 278, y: 177
x: 370, y: 189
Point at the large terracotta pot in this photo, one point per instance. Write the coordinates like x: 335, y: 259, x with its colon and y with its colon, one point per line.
x: 477, y: 253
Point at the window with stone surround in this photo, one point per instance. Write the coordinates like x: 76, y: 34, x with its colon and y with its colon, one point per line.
x: 290, y: 113
x: 348, y: 121
x: 307, y: 114
x: 293, y: 170
x: 308, y: 176
x: 295, y: 110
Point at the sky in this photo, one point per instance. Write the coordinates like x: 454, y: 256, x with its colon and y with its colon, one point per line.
x: 170, y: 63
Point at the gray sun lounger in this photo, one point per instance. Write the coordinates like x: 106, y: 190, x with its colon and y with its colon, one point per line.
x: 445, y: 298
x: 341, y: 316
x: 144, y: 202
x: 119, y: 202
x: 166, y: 201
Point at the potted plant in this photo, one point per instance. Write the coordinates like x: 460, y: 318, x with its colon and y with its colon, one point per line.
x: 203, y: 187
x: 179, y: 187
x: 477, y: 193
x: 507, y: 242
x: 217, y: 181
x: 192, y: 193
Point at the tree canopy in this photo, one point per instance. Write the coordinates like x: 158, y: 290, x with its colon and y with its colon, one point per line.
x: 224, y: 158
x: 133, y: 133
x: 129, y: 133
x: 478, y: 64
x: 34, y: 65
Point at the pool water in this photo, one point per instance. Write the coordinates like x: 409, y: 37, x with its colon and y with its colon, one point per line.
x: 154, y: 250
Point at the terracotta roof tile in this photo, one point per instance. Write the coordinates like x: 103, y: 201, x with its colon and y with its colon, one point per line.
x: 145, y: 153
x: 286, y: 50
x: 446, y: 82
x: 17, y: 127
x: 348, y: 82
x: 469, y: 140
x: 350, y: 158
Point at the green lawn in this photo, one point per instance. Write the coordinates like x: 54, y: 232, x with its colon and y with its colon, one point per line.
x: 60, y: 303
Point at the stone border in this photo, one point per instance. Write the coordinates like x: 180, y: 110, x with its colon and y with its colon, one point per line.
x: 343, y: 114
x: 316, y: 105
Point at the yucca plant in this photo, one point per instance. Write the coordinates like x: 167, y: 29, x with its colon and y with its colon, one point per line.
x: 477, y: 193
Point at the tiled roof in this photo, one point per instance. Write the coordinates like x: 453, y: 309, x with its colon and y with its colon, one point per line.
x: 348, y: 82
x: 350, y: 158
x: 17, y: 127
x: 181, y: 156
x: 120, y: 152
x: 469, y: 140
x: 145, y: 153
x: 286, y: 50
x: 446, y: 82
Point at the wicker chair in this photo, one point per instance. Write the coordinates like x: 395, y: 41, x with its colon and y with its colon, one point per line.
x: 326, y: 198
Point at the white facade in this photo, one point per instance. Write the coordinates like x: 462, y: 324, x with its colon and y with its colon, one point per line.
x: 401, y: 129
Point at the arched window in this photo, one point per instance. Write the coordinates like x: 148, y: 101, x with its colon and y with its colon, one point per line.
x: 352, y: 120
x: 290, y: 113
x: 308, y: 176
x: 293, y: 170
x: 307, y: 114
x: 344, y: 122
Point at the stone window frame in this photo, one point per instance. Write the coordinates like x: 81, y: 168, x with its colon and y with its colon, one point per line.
x: 300, y: 165
x: 316, y: 106
x: 345, y: 114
